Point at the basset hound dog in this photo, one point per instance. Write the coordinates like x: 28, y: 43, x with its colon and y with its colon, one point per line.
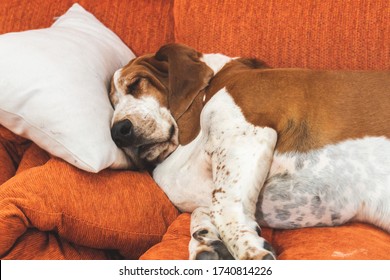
x: 242, y: 145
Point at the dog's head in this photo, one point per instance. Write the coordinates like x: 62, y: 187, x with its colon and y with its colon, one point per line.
x: 149, y: 95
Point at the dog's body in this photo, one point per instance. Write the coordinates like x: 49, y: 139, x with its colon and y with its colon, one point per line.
x: 285, y: 148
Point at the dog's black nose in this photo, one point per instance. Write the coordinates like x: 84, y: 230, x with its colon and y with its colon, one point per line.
x: 122, y: 133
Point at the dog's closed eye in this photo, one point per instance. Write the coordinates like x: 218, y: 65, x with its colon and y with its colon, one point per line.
x: 133, y: 85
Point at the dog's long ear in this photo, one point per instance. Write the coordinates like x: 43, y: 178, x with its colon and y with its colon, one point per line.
x: 187, y: 76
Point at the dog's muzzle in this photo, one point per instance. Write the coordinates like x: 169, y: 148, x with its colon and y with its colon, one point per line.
x: 141, y: 151
x: 122, y: 133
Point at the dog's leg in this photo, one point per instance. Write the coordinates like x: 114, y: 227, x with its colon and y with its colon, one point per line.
x: 206, y: 243
x: 240, y: 158
x: 240, y: 164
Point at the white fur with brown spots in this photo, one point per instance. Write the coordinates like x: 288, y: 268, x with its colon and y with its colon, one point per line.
x: 325, y: 161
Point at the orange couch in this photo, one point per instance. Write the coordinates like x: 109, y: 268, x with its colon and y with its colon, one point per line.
x: 51, y: 210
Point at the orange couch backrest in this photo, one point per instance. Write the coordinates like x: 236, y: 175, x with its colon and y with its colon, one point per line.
x: 332, y: 34
x: 327, y: 34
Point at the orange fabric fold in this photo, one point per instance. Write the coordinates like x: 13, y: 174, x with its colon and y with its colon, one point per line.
x: 113, y: 210
x: 40, y: 245
x: 7, y: 167
x: 174, y: 245
x: 12, y: 148
x: 32, y: 157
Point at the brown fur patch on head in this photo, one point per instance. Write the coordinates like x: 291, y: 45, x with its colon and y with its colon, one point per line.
x: 141, y: 76
x: 174, y: 76
x: 175, y: 71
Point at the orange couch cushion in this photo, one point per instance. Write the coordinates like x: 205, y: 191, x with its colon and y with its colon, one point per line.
x: 290, y: 33
x: 348, y: 242
x: 121, y: 211
x: 40, y: 245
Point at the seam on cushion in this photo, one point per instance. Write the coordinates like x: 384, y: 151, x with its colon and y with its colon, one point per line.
x: 87, y: 222
x: 46, y: 134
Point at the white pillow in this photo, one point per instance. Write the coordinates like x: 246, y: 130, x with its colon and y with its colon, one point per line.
x: 54, y: 86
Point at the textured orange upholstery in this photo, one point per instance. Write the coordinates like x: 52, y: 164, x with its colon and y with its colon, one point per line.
x: 123, y: 211
x: 330, y: 34
x: 51, y: 210
x: 347, y: 242
x: 32, y: 157
x: 174, y: 245
x: 11, y: 151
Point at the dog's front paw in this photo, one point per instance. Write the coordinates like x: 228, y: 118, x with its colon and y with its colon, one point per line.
x: 216, y: 250
x: 263, y: 251
x: 206, y: 246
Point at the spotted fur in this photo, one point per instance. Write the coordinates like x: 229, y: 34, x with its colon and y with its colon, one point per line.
x: 329, y: 186
x: 234, y: 156
x: 324, y: 187
x: 222, y: 161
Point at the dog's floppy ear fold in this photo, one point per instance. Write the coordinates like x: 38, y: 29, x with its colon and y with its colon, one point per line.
x: 187, y: 76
